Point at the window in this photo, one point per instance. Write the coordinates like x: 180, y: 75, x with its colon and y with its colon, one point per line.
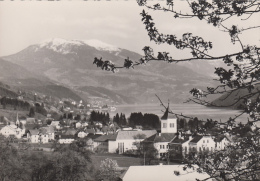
x: 172, y: 125
x: 164, y: 125
x: 168, y: 147
x: 203, y: 141
x: 207, y: 141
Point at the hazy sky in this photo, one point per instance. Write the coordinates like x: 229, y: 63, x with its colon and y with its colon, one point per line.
x: 117, y: 23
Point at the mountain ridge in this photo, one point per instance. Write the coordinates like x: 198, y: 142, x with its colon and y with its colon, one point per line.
x: 70, y: 63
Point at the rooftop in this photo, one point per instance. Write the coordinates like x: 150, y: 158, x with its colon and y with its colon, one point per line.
x: 160, y: 137
x: 129, y: 135
x: 162, y: 172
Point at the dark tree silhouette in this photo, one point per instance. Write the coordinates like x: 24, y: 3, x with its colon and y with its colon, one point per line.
x: 31, y: 112
x: 240, y: 160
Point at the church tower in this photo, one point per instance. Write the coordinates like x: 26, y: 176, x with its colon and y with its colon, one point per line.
x: 17, y: 123
x: 168, y: 122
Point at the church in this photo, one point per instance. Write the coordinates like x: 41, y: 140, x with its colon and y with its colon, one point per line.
x: 168, y: 132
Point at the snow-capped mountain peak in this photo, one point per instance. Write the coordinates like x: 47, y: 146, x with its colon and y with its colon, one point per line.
x: 99, y: 45
x: 65, y: 46
x: 60, y: 42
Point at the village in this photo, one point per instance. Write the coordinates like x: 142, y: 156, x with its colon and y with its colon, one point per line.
x: 170, y: 142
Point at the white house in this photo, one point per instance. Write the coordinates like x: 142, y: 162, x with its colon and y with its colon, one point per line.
x: 180, y: 146
x: 78, y: 125
x: 121, y: 141
x: 33, y: 136
x: 47, y: 133
x: 12, y: 130
x: 163, y: 173
x: 126, y: 140
x: 202, y: 143
x: 66, y: 139
x: 42, y: 135
x: 160, y: 141
x: 221, y: 142
x: 56, y: 124
x: 82, y: 134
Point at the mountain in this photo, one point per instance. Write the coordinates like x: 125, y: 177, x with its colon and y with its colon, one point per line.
x: 69, y: 63
x: 234, y: 99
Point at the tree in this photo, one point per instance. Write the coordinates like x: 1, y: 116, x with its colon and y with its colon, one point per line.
x: 116, y: 118
x: 240, y: 73
x: 108, y: 170
x: 136, y: 119
x: 31, y: 112
x: 11, y: 163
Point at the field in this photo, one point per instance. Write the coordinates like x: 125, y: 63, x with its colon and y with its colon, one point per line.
x: 122, y: 161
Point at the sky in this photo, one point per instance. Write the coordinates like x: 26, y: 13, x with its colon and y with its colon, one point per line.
x: 115, y: 22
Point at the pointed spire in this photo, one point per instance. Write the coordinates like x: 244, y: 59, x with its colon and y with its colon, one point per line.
x: 17, y: 120
x: 165, y: 116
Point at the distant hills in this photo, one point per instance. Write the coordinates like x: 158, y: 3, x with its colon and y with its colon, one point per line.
x: 234, y: 99
x: 61, y: 67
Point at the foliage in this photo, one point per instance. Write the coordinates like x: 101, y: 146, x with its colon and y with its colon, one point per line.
x: 151, y: 121
x: 31, y: 112
x: 15, y: 103
x: 108, y: 170
x: 99, y: 117
x: 11, y: 164
x: 241, y: 71
x: 67, y: 162
x: 120, y: 120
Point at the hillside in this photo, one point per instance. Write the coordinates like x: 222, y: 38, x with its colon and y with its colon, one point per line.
x: 227, y: 100
x: 70, y: 63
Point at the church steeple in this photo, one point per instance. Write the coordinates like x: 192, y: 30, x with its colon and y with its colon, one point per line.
x: 165, y: 115
x: 168, y: 123
x: 17, y: 120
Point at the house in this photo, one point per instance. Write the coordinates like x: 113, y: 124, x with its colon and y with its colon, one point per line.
x: 12, y: 130
x: 90, y: 140
x: 56, y: 124
x: 121, y: 141
x: 126, y: 140
x: 202, y: 143
x: 46, y: 134
x: 160, y: 141
x: 82, y: 134
x: 164, y: 173
x: 78, y: 125
x: 179, y: 147
x: 33, y: 136
x: 30, y: 121
x: 66, y: 139
x: 221, y: 142
x: 101, y: 143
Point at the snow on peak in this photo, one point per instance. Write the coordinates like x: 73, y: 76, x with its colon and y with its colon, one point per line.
x: 60, y: 45
x: 99, y: 45
x: 66, y: 46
